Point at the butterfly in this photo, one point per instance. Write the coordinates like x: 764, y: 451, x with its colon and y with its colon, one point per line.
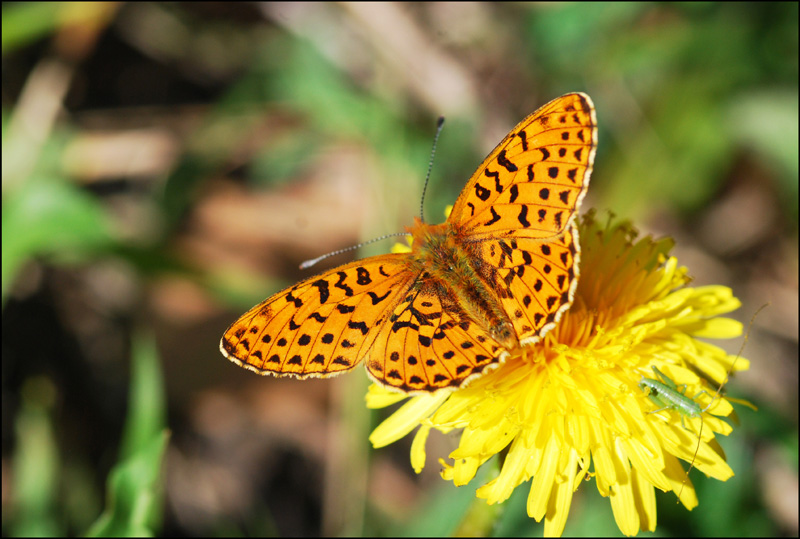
x: 496, y: 275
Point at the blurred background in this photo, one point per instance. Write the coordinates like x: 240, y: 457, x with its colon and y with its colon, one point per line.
x: 167, y: 166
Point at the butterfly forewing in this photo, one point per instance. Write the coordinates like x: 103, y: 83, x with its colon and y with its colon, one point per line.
x: 532, y: 183
x: 321, y: 326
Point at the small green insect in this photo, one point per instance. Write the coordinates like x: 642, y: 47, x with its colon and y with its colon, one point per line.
x: 665, y: 393
x: 668, y: 395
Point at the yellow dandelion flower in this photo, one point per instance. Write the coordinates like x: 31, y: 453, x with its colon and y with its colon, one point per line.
x: 571, y: 407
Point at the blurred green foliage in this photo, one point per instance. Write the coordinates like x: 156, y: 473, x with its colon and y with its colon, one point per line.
x: 714, y: 79
x: 50, y: 217
x: 36, y: 466
x: 135, y: 484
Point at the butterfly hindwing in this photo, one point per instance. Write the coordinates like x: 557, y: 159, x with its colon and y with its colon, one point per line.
x: 535, y: 280
x: 430, y: 343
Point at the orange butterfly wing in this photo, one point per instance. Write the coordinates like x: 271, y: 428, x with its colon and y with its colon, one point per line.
x: 532, y: 184
x: 322, y: 326
x: 520, y: 206
x: 430, y: 343
x: 535, y: 280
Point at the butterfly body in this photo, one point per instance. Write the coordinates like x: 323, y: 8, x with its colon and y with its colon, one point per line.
x: 497, y: 274
x: 444, y: 256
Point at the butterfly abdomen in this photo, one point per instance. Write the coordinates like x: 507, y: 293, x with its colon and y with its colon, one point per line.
x: 449, y: 263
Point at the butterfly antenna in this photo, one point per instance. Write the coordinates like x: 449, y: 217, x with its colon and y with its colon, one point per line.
x: 308, y: 263
x: 439, y: 124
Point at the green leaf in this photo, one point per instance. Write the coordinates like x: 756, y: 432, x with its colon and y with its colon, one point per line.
x: 134, y: 491
x: 147, y: 407
x: 47, y: 217
x: 36, y: 464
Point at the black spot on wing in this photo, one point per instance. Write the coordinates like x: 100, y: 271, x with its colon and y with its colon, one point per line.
x: 505, y: 163
x: 481, y: 192
x: 378, y: 299
x: 363, y: 277
x: 322, y: 288
x: 341, y: 285
x: 524, y: 138
x: 494, y: 219
x: 523, y: 216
